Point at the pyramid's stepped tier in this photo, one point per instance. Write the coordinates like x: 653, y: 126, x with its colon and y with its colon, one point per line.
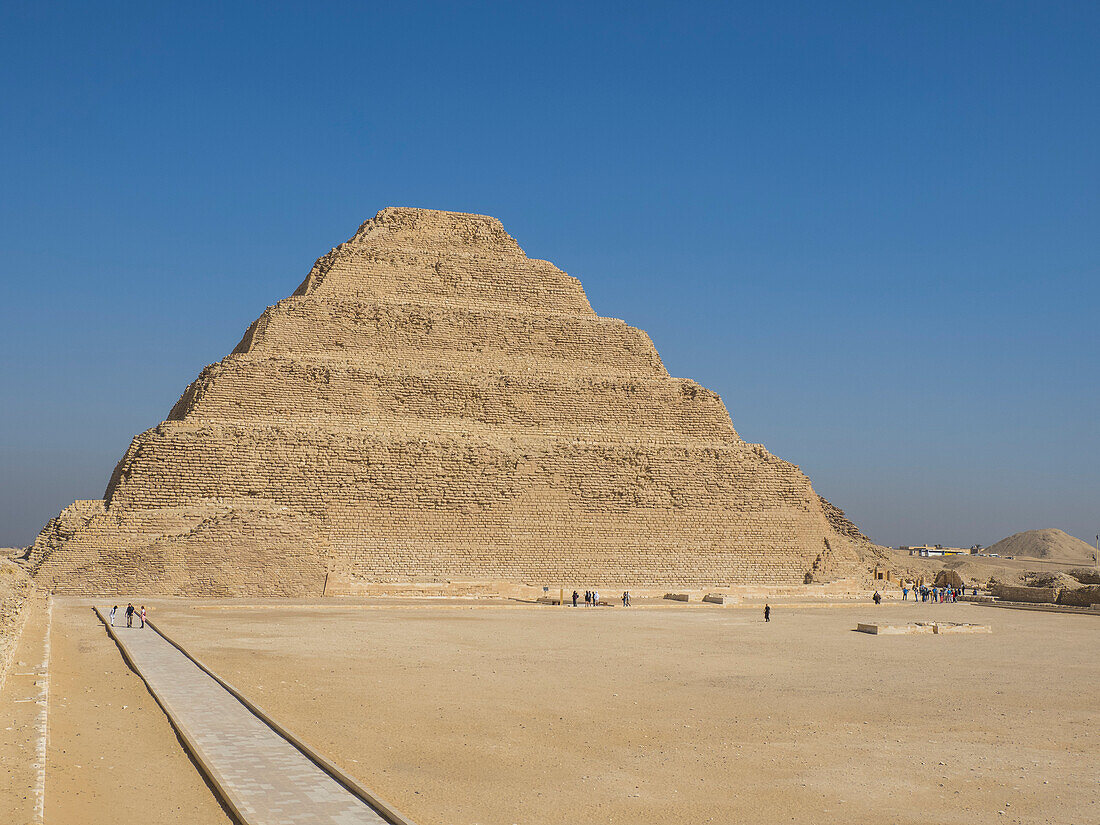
x: 431, y: 405
x: 312, y: 468
x: 300, y: 391
x: 453, y: 338
x: 420, y: 255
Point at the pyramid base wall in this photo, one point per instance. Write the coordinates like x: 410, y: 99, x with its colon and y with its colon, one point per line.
x: 240, y: 550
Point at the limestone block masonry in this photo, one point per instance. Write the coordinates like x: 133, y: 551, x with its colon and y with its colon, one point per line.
x: 431, y: 405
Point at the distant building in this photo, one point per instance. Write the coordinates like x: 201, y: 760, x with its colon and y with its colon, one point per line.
x: 919, y: 550
x: 935, y: 550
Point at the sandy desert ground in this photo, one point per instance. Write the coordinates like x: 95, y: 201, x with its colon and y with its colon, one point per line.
x: 463, y: 713
x: 112, y: 755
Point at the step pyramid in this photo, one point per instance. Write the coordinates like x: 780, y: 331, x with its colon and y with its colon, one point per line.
x: 431, y: 405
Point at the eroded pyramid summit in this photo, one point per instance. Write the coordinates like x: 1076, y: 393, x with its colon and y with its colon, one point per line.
x: 431, y: 405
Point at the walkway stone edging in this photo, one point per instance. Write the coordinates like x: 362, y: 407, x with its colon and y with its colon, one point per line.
x: 341, y: 777
x: 42, y: 751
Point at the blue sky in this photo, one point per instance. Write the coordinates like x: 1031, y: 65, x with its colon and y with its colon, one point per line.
x: 872, y: 227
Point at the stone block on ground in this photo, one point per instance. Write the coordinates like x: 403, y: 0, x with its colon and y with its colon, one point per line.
x: 920, y: 628
x: 943, y: 628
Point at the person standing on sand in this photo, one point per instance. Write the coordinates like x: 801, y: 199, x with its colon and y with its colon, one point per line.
x: 129, y: 615
x: 574, y: 598
x: 595, y: 598
x: 143, y: 617
x: 114, y: 610
x: 767, y: 612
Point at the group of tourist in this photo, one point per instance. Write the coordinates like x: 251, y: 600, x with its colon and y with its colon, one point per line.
x: 592, y: 598
x: 942, y: 595
x: 130, y: 611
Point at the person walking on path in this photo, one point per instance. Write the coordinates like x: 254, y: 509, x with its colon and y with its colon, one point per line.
x: 877, y: 598
x: 143, y: 617
x: 767, y: 612
x: 129, y: 615
x: 114, y: 610
x: 574, y: 598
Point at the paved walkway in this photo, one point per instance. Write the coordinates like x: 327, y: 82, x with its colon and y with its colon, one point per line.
x: 268, y: 780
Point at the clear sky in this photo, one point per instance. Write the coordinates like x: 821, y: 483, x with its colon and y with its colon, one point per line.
x: 873, y: 227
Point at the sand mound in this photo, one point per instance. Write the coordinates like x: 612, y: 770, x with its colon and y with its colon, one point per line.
x: 1052, y: 544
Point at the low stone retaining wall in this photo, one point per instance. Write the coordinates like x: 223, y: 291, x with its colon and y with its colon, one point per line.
x: 16, y: 592
x: 1081, y: 597
x: 1030, y: 595
x: 1071, y: 597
